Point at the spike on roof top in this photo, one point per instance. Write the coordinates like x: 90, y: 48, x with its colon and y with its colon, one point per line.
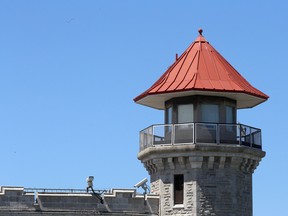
x: 201, y: 70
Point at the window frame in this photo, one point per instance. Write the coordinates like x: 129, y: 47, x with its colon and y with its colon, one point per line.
x: 178, y: 189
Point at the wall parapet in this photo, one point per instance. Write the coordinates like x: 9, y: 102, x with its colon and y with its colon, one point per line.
x: 14, y: 200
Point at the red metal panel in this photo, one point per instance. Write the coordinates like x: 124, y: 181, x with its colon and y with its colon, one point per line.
x: 191, y: 76
x: 181, y: 76
x: 201, y: 67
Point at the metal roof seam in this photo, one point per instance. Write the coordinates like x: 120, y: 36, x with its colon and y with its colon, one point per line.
x: 177, y: 74
x: 188, y: 69
x: 195, y: 75
x: 167, y: 73
x: 209, y: 74
x: 236, y: 76
x: 192, y: 80
x: 207, y: 69
x: 211, y: 54
x: 159, y: 83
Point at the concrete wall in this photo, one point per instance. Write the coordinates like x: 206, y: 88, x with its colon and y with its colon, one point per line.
x: 15, y: 201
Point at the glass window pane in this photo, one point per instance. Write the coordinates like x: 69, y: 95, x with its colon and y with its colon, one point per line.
x: 184, y: 133
x: 210, y: 113
x: 206, y: 133
x: 178, y: 189
x: 229, y: 114
x: 169, y: 115
x: 185, y: 113
x: 162, y: 134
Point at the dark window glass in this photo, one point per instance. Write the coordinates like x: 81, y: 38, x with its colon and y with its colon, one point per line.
x: 185, y: 113
x: 229, y: 114
x: 169, y: 115
x: 178, y: 189
x: 210, y: 113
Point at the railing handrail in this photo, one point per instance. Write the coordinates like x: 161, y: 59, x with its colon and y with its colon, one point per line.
x: 218, y: 123
x: 55, y: 190
x: 238, y: 133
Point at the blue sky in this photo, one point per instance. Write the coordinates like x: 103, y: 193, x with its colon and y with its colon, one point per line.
x: 69, y: 71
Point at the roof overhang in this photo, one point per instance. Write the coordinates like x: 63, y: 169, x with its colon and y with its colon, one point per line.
x: 157, y: 101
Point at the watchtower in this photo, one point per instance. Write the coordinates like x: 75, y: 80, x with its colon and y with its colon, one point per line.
x: 201, y: 160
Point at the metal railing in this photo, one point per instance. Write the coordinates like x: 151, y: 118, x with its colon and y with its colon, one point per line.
x: 197, y: 133
x: 60, y: 191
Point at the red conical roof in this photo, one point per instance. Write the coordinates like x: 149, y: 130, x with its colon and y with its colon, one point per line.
x: 201, y: 70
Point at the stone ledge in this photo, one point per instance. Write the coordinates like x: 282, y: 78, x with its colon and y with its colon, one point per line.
x: 205, y: 156
x: 193, y: 149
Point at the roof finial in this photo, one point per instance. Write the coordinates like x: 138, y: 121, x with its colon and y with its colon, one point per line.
x: 200, y: 31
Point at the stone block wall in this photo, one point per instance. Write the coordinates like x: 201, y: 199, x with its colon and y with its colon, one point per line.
x: 217, y: 179
x: 222, y: 192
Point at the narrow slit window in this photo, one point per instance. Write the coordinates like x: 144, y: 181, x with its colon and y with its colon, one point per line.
x: 178, y: 189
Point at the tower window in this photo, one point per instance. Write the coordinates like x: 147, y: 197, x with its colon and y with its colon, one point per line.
x: 169, y: 115
x: 210, y: 113
x: 229, y: 114
x: 185, y: 113
x: 178, y: 189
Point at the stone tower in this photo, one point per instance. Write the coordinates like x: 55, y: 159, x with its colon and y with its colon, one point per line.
x: 201, y: 160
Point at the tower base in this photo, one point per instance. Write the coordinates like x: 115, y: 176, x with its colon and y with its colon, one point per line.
x: 217, y: 179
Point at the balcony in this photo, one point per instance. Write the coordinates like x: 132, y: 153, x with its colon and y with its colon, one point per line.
x: 200, y: 133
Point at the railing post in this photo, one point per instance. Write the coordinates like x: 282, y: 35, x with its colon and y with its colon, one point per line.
x: 250, y: 137
x: 172, y: 134
x: 240, y: 134
x: 217, y: 134
x: 194, y: 133
x: 141, y: 141
x: 153, y: 135
x: 261, y: 139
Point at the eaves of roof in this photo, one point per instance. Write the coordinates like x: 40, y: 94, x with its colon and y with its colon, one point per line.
x: 201, y: 70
